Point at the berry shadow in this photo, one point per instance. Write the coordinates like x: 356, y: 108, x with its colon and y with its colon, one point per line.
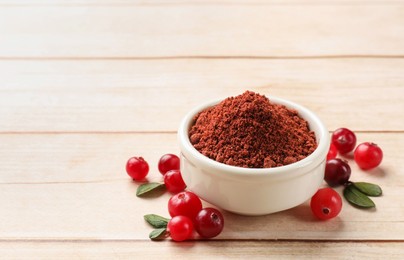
x: 144, y: 180
x: 303, y: 214
x: 377, y: 172
x: 183, y: 245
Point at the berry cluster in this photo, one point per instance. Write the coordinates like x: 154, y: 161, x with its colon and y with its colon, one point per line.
x: 184, y: 207
x: 327, y: 203
x: 168, y: 165
x: 187, y: 214
x: 367, y: 155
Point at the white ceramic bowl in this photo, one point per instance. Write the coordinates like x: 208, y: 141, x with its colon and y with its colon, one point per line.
x: 250, y: 191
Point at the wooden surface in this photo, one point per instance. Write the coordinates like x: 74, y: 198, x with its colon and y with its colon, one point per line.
x: 87, y: 84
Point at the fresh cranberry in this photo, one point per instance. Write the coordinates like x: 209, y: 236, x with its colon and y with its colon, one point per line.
x: 168, y: 162
x: 344, y: 140
x: 137, y: 168
x: 180, y: 228
x: 174, y: 182
x: 337, y: 172
x: 368, y: 155
x: 184, y: 204
x: 326, y: 203
x: 209, y: 222
x: 332, y: 152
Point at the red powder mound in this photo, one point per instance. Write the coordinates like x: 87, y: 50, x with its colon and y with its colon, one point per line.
x: 250, y: 131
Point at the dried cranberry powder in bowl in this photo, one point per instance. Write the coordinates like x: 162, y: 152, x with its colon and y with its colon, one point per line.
x: 250, y: 131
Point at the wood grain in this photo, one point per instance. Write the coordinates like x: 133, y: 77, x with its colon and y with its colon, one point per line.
x: 200, y: 250
x: 153, y: 95
x: 202, y: 30
x: 195, y: 2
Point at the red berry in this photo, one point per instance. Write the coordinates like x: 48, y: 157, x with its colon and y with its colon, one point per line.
x: 337, y: 172
x: 180, y: 228
x: 209, y: 222
x: 184, y: 204
x: 332, y: 152
x: 368, y: 155
x: 174, y: 182
x: 168, y: 162
x: 344, y: 140
x: 137, y: 168
x: 326, y: 203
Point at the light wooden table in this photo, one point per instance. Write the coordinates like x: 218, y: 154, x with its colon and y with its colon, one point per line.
x: 84, y: 85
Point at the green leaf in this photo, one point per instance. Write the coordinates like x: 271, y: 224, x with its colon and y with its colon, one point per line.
x: 156, y: 221
x: 158, y: 234
x: 357, y: 198
x: 148, y: 187
x: 369, y: 189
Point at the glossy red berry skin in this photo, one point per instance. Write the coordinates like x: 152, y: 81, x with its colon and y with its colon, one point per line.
x: 168, y: 162
x: 337, y: 172
x: 137, y: 168
x: 174, y: 182
x: 184, y: 203
x: 332, y: 152
x: 209, y: 222
x: 368, y: 155
x: 344, y: 140
x: 180, y: 228
x: 326, y: 204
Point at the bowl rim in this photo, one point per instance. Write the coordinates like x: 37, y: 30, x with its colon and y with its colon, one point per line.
x: 314, y: 159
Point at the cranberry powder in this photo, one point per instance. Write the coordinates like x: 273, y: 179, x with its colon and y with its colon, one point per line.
x: 250, y: 131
